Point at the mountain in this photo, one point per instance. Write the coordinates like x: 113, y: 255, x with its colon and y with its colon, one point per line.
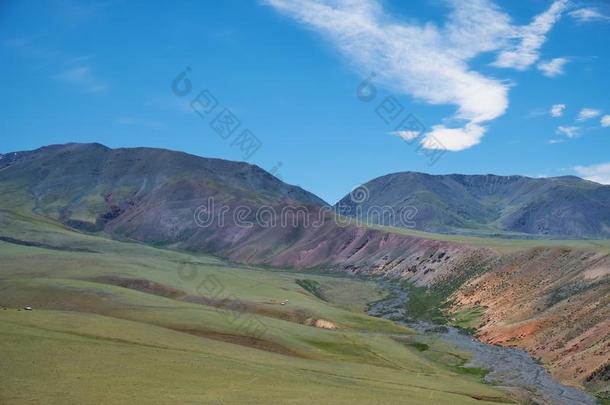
x: 553, y: 298
x: 167, y: 198
x: 89, y: 186
x: 92, y: 187
x: 566, y: 207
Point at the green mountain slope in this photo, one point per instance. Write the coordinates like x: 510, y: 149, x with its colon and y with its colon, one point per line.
x: 118, y: 322
x: 485, y: 204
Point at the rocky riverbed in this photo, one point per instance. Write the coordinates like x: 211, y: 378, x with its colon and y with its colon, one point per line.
x: 508, y: 367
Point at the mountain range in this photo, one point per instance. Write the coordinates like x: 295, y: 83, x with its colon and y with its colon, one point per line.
x: 560, y: 207
x: 549, y: 297
x: 90, y: 186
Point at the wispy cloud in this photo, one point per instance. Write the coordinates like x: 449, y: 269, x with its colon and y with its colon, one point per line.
x: 569, y: 131
x: 75, y: 70
x: 81, y: 12
x: 84, y: 78
x: 17, y: 42
x: 428, y: 62
x: 557, y: 110
x: 553, y: 67
x: 406, y: 135
x: 605, y: 121
x: 530, y: 39
x: 587, y: 114
x: 598, y: 173
x: 588, y: 14
x: 31, y: 47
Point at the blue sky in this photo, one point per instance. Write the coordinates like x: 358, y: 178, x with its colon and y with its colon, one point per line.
x: 509, y: 88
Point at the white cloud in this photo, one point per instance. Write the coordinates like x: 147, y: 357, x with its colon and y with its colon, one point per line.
x: 430, y: 62
x: 605, y: 121
x: 530, y: 39
x: 588, y: 14
x: 406, y: 135
x: 553, y: 67
x: 476, y: 26
x: 570, y: 132
x: 597, y: 173
x: 555, y: 141
x: 84, y: 78
x: 587, y: 113
x: 453, y: 139
x: 557, y: 110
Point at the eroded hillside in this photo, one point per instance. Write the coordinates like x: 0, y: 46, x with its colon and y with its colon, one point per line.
x: 551, y: 300
x: 555, y: 303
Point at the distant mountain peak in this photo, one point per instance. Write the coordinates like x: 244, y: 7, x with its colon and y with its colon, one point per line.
x: 68, y: 182
x: 565, y: 207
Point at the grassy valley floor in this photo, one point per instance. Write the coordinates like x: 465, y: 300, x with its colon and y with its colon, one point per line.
x: 120, y: 322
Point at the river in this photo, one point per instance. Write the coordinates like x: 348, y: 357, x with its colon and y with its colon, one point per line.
x: 506, y: 366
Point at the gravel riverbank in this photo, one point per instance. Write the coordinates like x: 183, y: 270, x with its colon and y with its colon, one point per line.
x: 506, y: 366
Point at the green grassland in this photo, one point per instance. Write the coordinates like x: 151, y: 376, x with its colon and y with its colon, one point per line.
x: 505, y: 243
x: 121, y: 322
x: 468, y: 319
